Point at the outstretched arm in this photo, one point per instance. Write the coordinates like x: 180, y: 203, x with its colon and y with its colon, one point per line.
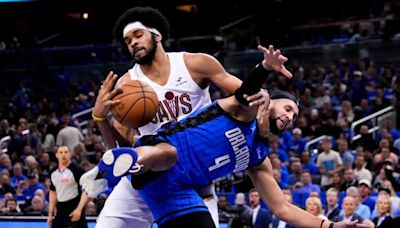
x: 274, y: 198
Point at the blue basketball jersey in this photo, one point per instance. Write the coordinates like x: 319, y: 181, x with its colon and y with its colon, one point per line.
x: 210, y: 144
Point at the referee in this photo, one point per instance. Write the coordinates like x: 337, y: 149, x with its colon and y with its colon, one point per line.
x: 65, y: 193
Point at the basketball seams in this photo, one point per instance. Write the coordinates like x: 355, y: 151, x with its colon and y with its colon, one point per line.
x: 137, y: 114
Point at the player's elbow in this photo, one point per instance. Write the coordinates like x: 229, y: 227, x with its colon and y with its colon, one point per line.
x: 171, y: 156
x: 168, y: 157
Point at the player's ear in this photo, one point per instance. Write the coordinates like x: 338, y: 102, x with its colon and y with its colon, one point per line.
x: 158, y: 38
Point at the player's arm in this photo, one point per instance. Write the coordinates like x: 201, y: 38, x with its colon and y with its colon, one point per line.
x: 206, y: 69
x: 112, y: 133
x: 272, y: 195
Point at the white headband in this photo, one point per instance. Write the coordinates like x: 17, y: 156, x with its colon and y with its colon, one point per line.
x: 138, y: 25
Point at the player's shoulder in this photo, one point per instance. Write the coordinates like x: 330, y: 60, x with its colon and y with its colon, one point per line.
x: 194, y: 58
x: 196, y: 62
x: 124, y: 78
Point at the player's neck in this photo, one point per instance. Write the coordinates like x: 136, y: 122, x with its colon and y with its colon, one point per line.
x: 159, y: 69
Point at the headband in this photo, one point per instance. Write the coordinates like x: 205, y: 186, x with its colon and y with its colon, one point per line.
x: 138, y: 25
x: 279, y: 94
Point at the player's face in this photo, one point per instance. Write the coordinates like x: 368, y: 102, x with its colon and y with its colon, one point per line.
x: 283, y: 113
x: 142, y: 45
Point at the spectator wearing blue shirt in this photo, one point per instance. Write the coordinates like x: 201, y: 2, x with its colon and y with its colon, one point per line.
x: 308, y: 164
x: 298, y: 144
x: 274, y: 147
x: 33, y: 185
x: 295, y: 171
x: 18, y: 177
x: 361, y: 209
x: 305, y: 185
x: 345, y: 154
x: 364, y: 188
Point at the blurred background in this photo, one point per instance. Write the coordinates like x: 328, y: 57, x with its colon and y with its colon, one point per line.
x: 344, y: 56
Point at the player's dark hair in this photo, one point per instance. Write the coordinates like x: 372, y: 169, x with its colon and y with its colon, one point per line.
x: 148, y: 16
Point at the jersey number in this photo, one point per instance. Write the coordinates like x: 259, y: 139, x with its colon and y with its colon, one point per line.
x: 219, y: 162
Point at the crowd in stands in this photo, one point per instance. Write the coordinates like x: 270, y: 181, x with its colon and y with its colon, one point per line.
x: 341, y: 175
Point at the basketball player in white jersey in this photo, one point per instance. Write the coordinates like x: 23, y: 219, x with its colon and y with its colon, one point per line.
x: 181, y: 81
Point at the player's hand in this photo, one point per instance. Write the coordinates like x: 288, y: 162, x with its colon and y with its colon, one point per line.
x: 90, y: 185
x: 352, y: 224
x: 273, y: 59
x: 75, y: 215
x: 104, y: 100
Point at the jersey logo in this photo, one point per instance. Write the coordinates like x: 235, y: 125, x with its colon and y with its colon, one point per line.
x: 172, y: 106
x: 239, y: 145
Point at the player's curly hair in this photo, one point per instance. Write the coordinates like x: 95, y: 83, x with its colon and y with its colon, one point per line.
x: 148, y: 16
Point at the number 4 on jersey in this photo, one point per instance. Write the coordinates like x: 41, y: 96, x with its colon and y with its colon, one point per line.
x: 219, y: 162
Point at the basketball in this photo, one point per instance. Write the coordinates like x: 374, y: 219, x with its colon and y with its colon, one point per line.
x: 138, y: 104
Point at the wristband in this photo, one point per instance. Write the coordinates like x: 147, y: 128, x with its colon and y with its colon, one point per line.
x: 98, y: 119
x: 322, y: 223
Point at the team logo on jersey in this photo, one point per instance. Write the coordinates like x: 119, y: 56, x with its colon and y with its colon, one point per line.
x: 172, y: 106
x: 179, y: 81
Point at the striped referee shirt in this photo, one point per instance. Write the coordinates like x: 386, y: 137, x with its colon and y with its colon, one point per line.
x: 66, y: 182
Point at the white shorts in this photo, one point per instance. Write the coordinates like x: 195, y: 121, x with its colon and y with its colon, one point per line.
x: 124, y: 208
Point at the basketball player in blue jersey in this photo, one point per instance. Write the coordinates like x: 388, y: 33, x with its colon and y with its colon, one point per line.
x: 219, y: 139
x: 181, y: 81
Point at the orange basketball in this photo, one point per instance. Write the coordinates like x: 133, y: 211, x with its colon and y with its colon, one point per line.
x: 138, y: 104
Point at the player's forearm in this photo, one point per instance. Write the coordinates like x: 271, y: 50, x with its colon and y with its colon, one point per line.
x: 110, y: 135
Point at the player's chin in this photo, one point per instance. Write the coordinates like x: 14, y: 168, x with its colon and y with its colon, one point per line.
x: 280, y: 125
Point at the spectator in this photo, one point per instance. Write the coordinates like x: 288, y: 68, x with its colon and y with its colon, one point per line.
x: 349, y: 206
x: 332, y: 203
x: 6, y: 185
x: 5, y: 162
x: 17, y: 175
x: 360, y: 171
x: 33, y: 185
x: 305, y: 185
x: 346, y: 115
x: 224, y: 209
x: 364, y: 188
x: 387, y: 190
x: 241, y: 212
x: 91, y: 209
x: 314, y: 207
x: 366, y: 140
x: 360, y: 209
x: 349, y: 179
x: 337, y: 181
x: 345, y: 154
x: 11, y: 207
x: 295, y: 171
x: 384, y: 212
x: 328, y: 162
x: 298, y: 144
x: 37, y: 207
x: 68, y: 135
x: 260, y: 216
x: 307, y: 163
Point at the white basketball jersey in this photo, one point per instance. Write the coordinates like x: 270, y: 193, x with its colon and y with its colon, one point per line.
x: 179, y: 97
